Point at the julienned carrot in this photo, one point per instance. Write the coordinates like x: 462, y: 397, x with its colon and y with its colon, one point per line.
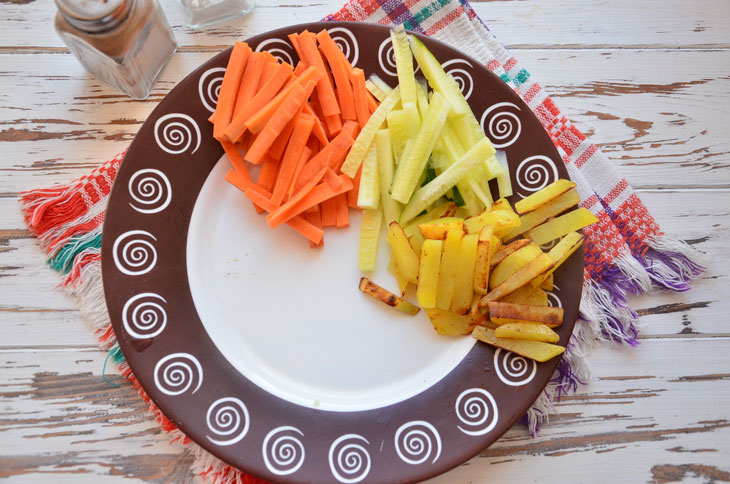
x: 329, y: 212
x: 294, y: 39
x: 301, y: 67
x: 333, y: 124
x: 372, y: 102
x: 333, y: 180
x: 351, y: 128
x: 234, y: 154
x: 340, y: 72
x: 298, y: 223
x: 340, y: 143
x: 313, y: 197
x: 361, y: 96
x: 318, y: 129
x: 279, y: 144
x: 314, y: 217
x: 282, y: 73
x: 343, y: 212
x: 297, y: 143
x: 325, y: 92
x: 303, y: 159
x: 353, y: 194
x: 256, y: 122
x: 249, y: 82
x: 284, y: 212
x: 270, y: 69
x: 268, y: 173
x: 288, y: 108
x: 229, y: 87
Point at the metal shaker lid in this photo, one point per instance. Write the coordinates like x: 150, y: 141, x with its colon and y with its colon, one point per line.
x: 94, y: 16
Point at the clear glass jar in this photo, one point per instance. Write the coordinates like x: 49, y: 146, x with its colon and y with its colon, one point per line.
x: 125, y: 43
x: 200, y: 13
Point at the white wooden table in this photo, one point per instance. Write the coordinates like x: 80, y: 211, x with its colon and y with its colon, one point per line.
x: 651, y: 78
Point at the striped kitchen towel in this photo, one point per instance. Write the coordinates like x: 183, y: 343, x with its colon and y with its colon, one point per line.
x: 625, y: 252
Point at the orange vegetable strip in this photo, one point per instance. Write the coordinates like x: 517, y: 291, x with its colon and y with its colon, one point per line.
x: 325, y: 92
x: 287, y: 110
x: 279, y: 145
x: 351, y: 128
x: 237, y: 161
x: 361, y: 100
x: 298, y: 223
x: 250, y: 81
x: 372, y: 102
x: 284, y: 212
x: 268, y: 174
x: 334, y: 181
x: 297, y: 143
x: 341, y: 143
x: 281, y: 74
x: 340, y: 72
x: 301, y: 67
x: 303, y: 159
x: 312, y: 197
x: 294, y: 39
x: 314, y: 217
x: 318, y: 130
x: 229, y: 87
x: 256, y: 122
x: 333, y: 124
x: 329, y: 212
x: 353, y: 194
x: 343, y: 211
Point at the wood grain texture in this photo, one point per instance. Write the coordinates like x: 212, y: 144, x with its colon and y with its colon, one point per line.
x: 650, y: 80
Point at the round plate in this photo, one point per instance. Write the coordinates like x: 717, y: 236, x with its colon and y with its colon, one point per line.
x: 263, y: 351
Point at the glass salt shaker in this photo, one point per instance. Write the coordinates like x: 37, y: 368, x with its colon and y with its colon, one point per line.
x: 201, y: 13
x: 125, y: 43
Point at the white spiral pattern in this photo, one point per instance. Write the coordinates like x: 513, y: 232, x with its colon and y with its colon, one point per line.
x: 477, y: 410
x: 283, y: 450
x: 151, y: 191
x: 513, y: 369
x: 554, y: 299
x: 228, y: 418
x: 502, y: 124
x: 463, y: 78
x: 143, y: 317
x: 177, y: 373
x: 347, y: 43
x: 279, y: 48
x: 535, y: 173
x: 176, y: 133
x: 209, y: 87
x: 417, y: 441
x: 349, y: 460
x: 134, y: 253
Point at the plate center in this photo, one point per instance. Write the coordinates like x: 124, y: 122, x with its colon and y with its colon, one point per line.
x: 292, y: 320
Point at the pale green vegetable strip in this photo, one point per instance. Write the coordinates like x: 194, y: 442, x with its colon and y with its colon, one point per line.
x: 433, y: 190
x: 503, y: 179
x: 369, y: 238
x: 403, y: 64
x: 437, y: 78
x: 398, y: 127
x: 462, y: 129
x: 386, y: 166
x: 409, y: 168
x: 413, y: 118
x: 367, y: 135
x: 375, y: 90
x: 493, y: 167
x: 380, y: 83
x: 369, y: 193
x: 422, y: 95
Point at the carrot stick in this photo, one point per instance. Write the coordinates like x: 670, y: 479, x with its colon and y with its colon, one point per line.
x: 250, y: 81
x: 333, y: 124
x: 325, y: 92
x: 331, y: 179
x: 340, y: 72
x: 343, y: 211
x: 341, y: 143
x: 294, y: 39
x: 301, y: 67
x: 329, y: 212
x: 268, y: 173
x: 279, y: 144
x: 351, y: 129
x: 256, y: 122
x: 281, y: 74
x: 361, y: 96
x: 318, y: 129
x: 297, y: 143
x: 312, y: 197
x: 352, y: 194
x: 237, y: 161
x: 309, y: 230
x: 303, y: 159
x: 229, y: 87
x: 372, y: 102
x: 283, y: 213
x: 288, y: 108
x: 314, y: 217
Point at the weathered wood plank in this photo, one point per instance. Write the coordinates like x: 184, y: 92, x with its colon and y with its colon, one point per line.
x: 622, y: 23
x: 654, y: 117
x: 57, y: 403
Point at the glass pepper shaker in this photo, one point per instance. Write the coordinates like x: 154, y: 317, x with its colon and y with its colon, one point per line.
x: 125, y: 43
x: 200, y: 13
